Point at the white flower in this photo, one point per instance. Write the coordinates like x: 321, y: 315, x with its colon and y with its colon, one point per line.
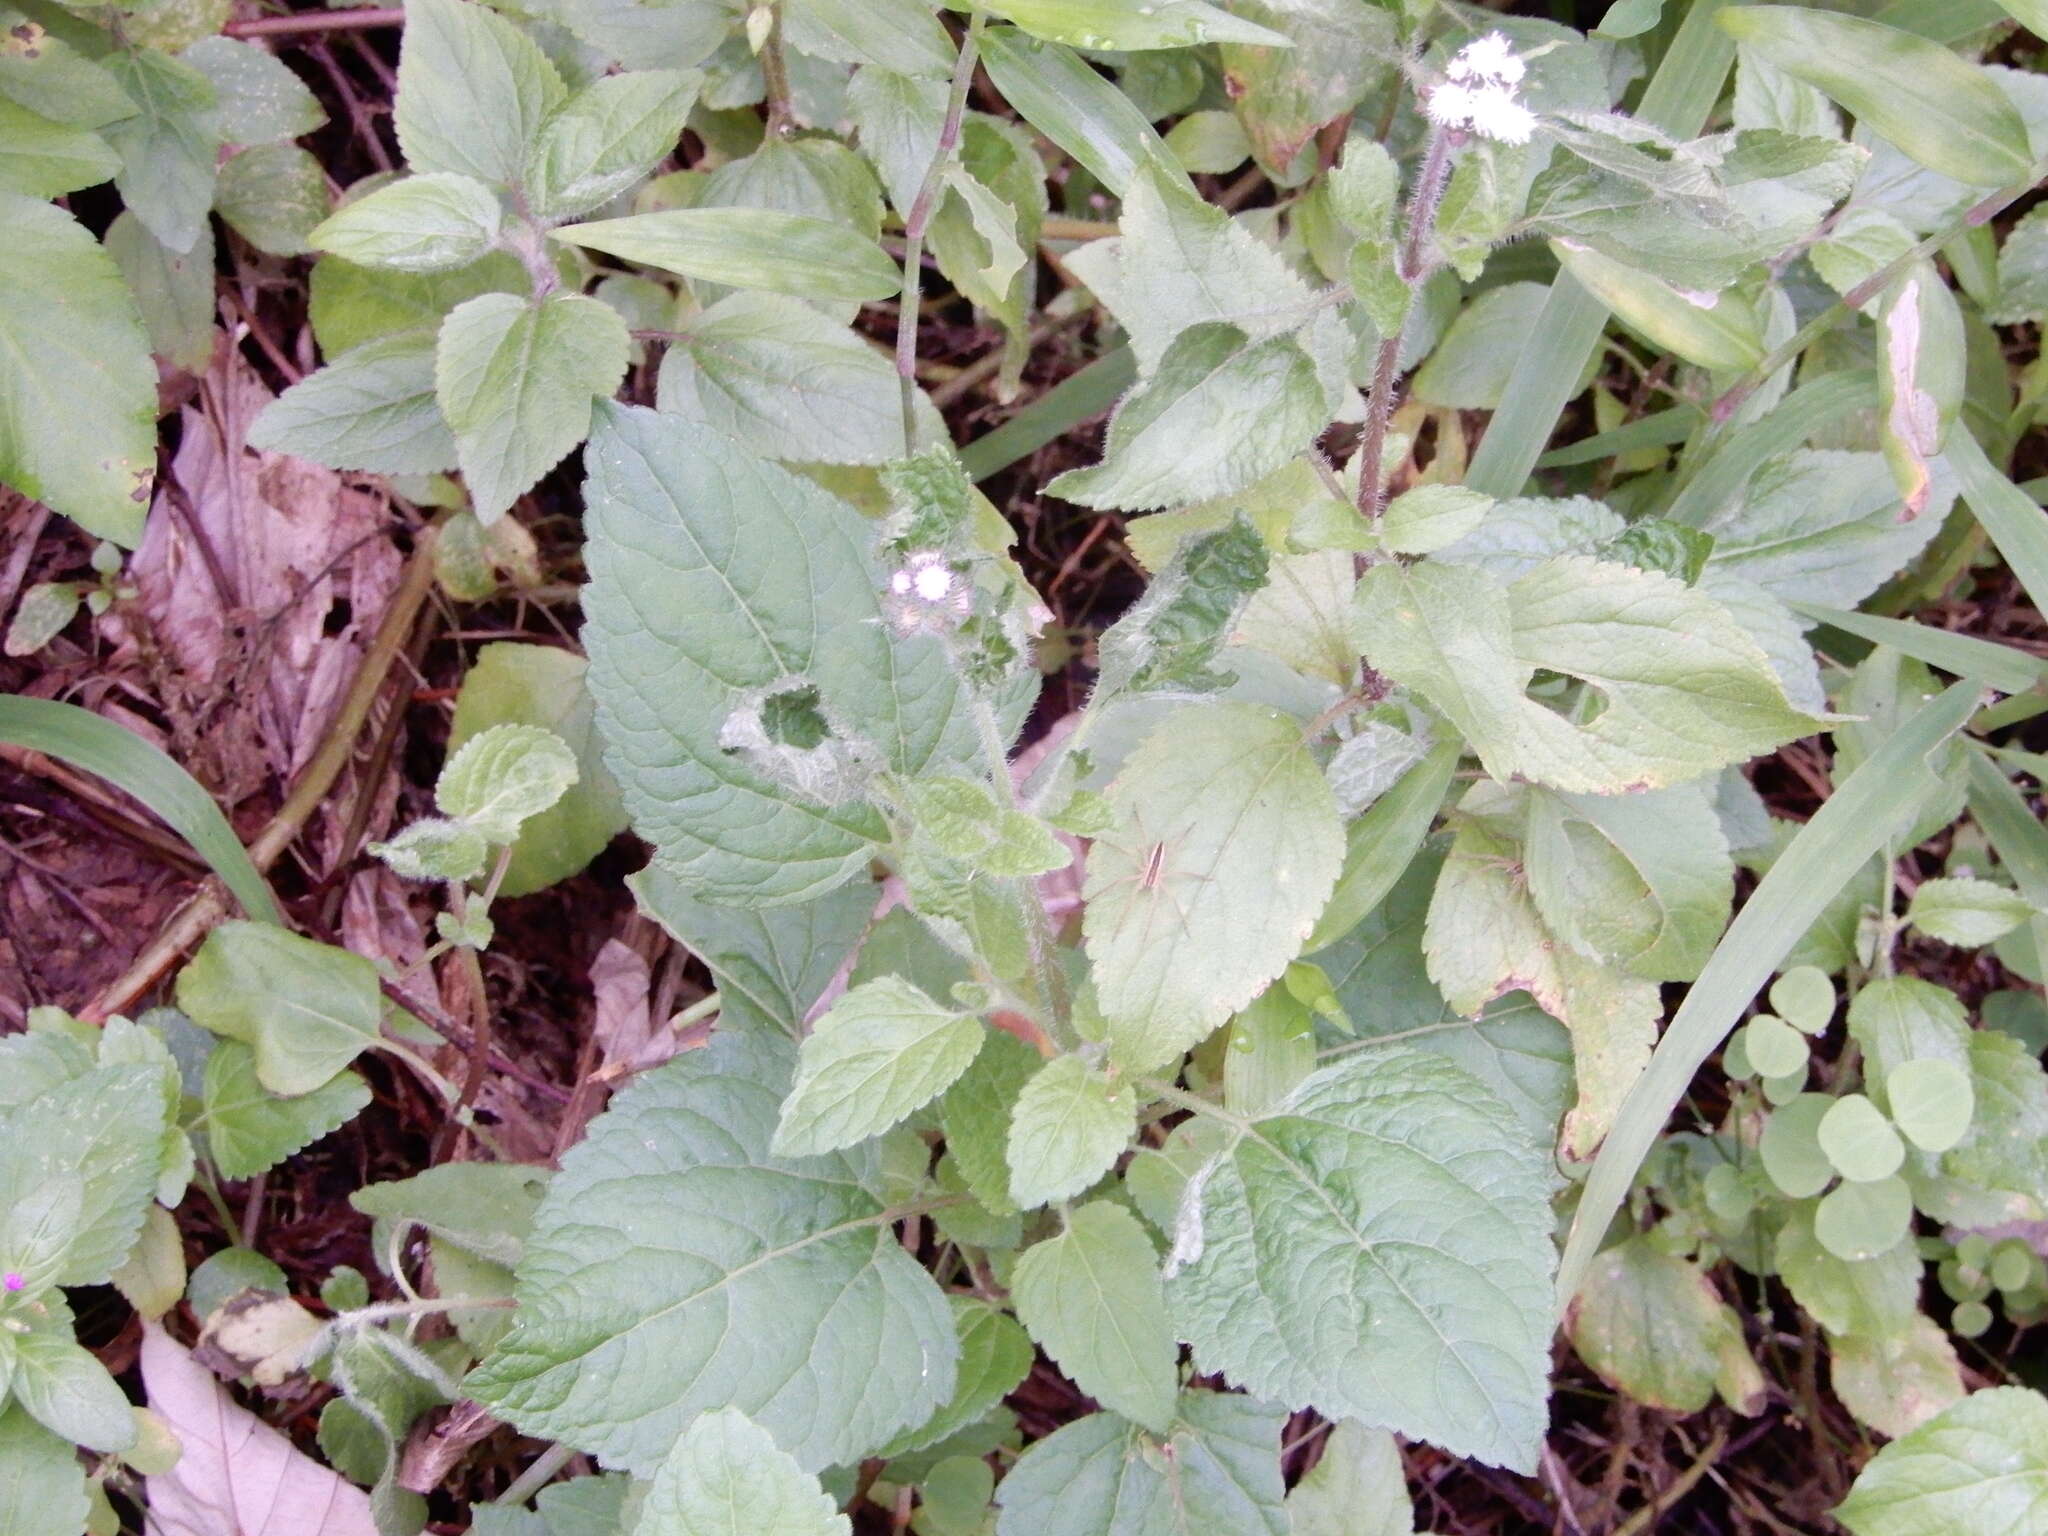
x: 1497, y: 115
x: 1488, y: 58
x: 926, y: 595
x: 1450, y: 106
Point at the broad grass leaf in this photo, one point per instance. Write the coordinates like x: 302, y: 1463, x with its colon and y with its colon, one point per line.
x: 677, y: 1266
x: 1379, y: 1248
x: 1227, y: 845
x: 1054, y: 90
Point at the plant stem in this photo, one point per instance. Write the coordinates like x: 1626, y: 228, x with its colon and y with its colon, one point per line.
x: 536, y: 1476
x: 775, y: 78
x: 1410, y: 266
x: 919, y: 218
x: 316, y: 21
x: 1980, y: 213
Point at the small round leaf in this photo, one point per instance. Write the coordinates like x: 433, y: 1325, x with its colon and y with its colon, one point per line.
x: 1860, y: 1221
x: 1790, y: 1146
x: 1932, y: 1102
x: 1774, y: 1047
x: 1859, y: 1141
x: 1783, y: 1090
x: 1970, y: 1319
x: 1804, y: 998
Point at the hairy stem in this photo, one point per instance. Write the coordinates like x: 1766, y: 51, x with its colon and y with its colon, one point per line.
x: 1411, y: 266
x: 919, y: 218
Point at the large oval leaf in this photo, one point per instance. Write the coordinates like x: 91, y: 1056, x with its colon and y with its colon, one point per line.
x: 748, y: 248
x: 1226, y: 846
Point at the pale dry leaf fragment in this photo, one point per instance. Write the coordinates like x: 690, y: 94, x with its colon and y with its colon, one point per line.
x: 237, y: 1476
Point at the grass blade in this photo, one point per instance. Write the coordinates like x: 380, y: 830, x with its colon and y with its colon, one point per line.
x: 2007, y: 513
x: 1724, y: 469
x: 1852, y: 826
x: 94, y: 743
x: 1660, y: 429
x: 2003, y: 667
x: 1060, y: 409
x: 1677, y: 100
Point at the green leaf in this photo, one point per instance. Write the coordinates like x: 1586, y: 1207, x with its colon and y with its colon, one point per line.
x: 1382, y: 843
x: 436, y: 849
x: 1861, y: 1220
x: 502, y: 775
x: 273, y: 196
x: 605, y: 138
x: 1641, y: 881
x: 1859, y: 1140
x: 880, y: 1052
x: 372, y: 408
x: 1702, y: 697
x: 1945, y: 113
x: 1470, y: 366
x: 1423, y: 520
x: 790, y: 382
x: 168, y: 149
x: 1653, y: 1326
x: 425, y: 223
x: 543, y: 685
x: 976, y: 1114
x: 995, y: 1355
x: 748, y: 248
x: 738, y: 621
x: 1227, y: 844
x: 1337, y: 53
x: 770, y: 966
x: 1055, y: 91
x: 99, y: 746
x: 1172, y: 636
x: 248, y: 1129
x: 1356, y: 1488
x: 627, y: 1330
x: 1091, y: 1298
x: 1968, y: 913
x: 40, y: 158
x: 1217, y: 414
x: 67, y: 1390
x: 42, y: 1485
x: 1920, y: 377
x: 1727, y: 334
x: 473, y: 91
x: 726, y: 1476
x: 1070, y: 1125
x: 1118, y: 25
x: 485, y: 1209
x: 2003, y: 1161
x: 1379, y: 1248
x: 1931, y: 1102
x: 350, y: 305
x: 898, y: 35
x: 257, y: 98
x: 307, y: 1009
x: 106, y: 1128
x: 1895, y: 1382
x: 174, y: 291
x: 516, y: 381
x: 1872, y: 1296
x: 77, y: 389
x: 1218, y: 1475
x: 1978, y: 1469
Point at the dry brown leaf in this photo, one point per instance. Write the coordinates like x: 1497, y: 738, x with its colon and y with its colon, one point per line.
x: 627, y: 1035
x: 236, y: 1476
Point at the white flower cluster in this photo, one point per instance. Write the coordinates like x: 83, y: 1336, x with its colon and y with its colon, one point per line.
x: 927, y: 596
x: 1479, y: 93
